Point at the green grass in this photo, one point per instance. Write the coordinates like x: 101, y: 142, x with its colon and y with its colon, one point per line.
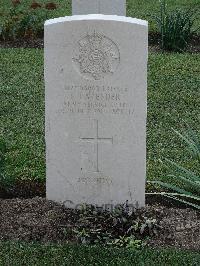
x: 51, y: 254
x: 173, y: 95
x: 146, y: 9
x: 143, y: 9
x: 22, y: 112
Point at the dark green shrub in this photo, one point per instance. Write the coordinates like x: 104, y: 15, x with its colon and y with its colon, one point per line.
x: 175, y: 28
x: 31, y: 24
x: 121, y: 227
x: 23, y: 22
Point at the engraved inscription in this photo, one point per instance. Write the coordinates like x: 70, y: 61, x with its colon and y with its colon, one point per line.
x: 96, y: 140
x: 79, y: 99
x: 95, y: 179
x: 96, y: 56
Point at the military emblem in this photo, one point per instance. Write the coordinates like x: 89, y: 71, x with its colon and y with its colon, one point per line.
x: 96, y: 56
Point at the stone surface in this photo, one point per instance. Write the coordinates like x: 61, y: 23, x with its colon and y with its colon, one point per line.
x: 96, y: 90
x: 106, y: 7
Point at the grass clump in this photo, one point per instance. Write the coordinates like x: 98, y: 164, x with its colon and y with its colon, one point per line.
x: 144, y: 9
x: 175, y: 28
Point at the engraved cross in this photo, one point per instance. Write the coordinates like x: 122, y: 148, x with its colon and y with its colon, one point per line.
x: 96, y: 140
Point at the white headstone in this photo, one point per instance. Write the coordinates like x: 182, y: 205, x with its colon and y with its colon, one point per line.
x: 96, y: 103
x: 106, y: 7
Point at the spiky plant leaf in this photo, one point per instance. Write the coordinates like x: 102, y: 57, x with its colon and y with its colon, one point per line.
x: 181, y: 176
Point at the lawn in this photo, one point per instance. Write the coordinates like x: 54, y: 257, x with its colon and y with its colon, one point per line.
x: 173, y: 95
x: 52, y: 254
x: 143, y: 9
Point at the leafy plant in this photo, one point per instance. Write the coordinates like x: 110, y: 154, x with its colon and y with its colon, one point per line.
x: 120, y: 228
x: 146, y: 227
x: 175, y: 28
x: 128, y: 242
x: 8, y: 27
x: 185, y: 183
x: 21, y: 22
x: 31, y: 25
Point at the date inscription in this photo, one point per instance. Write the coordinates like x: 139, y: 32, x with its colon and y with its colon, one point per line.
x: 97, y: 99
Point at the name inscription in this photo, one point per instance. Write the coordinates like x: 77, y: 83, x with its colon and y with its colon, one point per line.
x: 80, y: 99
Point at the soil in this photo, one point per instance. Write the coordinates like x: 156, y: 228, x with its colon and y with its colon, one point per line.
x: 23, y: 189
x: 27, y: 189
x: 194, y: 46
x: 38, y: 219
x: 22, y: 43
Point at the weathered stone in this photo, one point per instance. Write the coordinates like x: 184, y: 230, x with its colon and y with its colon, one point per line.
x: 96, y: 90
x: 106, y: 7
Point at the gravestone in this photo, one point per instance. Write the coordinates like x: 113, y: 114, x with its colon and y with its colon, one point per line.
x: 106, y: 7
x: 96, y: 90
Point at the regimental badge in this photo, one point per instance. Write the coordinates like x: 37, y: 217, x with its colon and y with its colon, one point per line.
x: 96, y: 56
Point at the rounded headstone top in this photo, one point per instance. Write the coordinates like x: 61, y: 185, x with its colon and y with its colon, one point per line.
x: 97, y: 17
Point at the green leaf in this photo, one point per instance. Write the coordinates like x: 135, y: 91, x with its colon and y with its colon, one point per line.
x: 184, y: 201
x: 183, y: 170
x: 172, y: 187
x: 186, y: 181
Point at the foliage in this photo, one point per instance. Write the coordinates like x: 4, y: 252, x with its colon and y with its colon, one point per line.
x: 175, y: 28
x: 18, y: 253
x: 128, y: 242
x: 123, y: 227
x: 22, y: 22
x: 184, y: 183
x: 144, y: 9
